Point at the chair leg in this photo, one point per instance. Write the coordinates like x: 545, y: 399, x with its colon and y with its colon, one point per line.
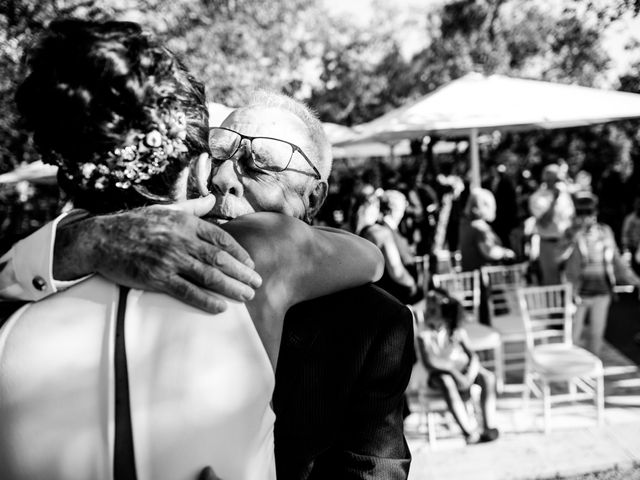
x: 546, y: 400
x: 526, y: 392
x: 573, y: 390
x: 498, y: 358
x: 600, y: 399
x: 431, y: 429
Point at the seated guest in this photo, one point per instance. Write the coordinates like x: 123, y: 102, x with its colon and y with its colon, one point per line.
x: 479, y: 245
x: 453, y: 367
x: 397, y: 278
x: 101, y: 381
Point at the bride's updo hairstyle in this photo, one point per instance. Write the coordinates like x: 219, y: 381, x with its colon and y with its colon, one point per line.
x: 116, y: 112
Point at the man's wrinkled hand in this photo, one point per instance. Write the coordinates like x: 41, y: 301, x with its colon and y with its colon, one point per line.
x: 171, y: 251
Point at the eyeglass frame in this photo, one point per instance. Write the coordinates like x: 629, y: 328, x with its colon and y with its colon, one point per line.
x: 251, y: 139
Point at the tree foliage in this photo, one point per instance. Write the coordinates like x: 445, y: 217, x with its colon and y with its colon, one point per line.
x: 349, y: 71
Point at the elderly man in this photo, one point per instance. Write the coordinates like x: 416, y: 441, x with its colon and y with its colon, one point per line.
x: 345, y: 359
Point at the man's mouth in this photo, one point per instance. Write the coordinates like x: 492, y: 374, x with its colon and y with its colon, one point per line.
x: 217, y: 218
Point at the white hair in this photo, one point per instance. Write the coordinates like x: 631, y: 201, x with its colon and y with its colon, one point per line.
x: 321, y: 155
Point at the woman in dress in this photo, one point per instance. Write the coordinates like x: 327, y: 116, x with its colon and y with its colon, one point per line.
x: 103, y: 382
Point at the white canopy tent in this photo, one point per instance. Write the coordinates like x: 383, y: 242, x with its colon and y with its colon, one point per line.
x: 36, y: 172
x: 477, y: 103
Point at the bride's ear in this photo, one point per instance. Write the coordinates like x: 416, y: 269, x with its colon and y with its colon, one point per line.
x: 202, y: 172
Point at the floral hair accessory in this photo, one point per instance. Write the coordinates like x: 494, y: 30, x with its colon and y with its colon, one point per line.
x: 148, y: 154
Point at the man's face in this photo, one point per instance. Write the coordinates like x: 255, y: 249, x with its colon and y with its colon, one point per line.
x: 241, y: 189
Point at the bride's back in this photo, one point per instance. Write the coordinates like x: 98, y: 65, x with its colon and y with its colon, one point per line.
x: 199, y: 388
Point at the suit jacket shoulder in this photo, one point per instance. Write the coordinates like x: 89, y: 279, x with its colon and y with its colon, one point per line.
x: 344, y: 364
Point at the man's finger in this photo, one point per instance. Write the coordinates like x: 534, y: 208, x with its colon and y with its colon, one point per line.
x: 193, y: 295
x: 221, y: 239
x: 195, y: 206
x: 221, y: 260
x: 216, y: 280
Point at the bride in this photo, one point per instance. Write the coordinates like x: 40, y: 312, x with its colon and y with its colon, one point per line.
x: 103, y: 382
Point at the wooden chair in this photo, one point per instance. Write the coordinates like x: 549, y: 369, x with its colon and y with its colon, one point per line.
x: 500, y: 283
x: 465, y: 287
x: 551, y: 355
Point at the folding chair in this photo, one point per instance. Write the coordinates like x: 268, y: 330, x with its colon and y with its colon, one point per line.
x: 465, y: 287
x: 551, y: 355
x: 500, y: 283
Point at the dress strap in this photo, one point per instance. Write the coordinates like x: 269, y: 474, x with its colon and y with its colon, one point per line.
x: 124, y: 466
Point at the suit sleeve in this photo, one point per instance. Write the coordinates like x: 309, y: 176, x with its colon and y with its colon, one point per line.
x: 374, y: 446
x: 26, y: 270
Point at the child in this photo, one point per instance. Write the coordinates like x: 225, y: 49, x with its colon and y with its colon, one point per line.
x: 453, y: 367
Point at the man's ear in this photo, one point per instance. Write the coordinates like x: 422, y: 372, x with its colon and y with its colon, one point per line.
x: 317, y: 196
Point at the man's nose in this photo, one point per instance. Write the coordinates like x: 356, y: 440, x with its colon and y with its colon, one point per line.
x: 225, y: 179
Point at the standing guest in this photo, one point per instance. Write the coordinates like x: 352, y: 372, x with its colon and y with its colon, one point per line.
x: 454, y: 368
x: 397, y: 279
x: 553, y: 210
x: 592, y: 264
x: 504, y: 191
x: 366, y: 210
x: 631, y: 235
x: 345, y: 359
x: 612, y: 193
x: 479, y: 245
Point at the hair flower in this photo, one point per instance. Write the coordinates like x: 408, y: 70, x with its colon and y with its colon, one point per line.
x: 128, y: 153
x: 148, y: 154
x: 153, y: 139
x: 88, y: 169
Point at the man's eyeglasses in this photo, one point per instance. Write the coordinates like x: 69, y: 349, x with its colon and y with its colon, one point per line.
x: 267, y: 153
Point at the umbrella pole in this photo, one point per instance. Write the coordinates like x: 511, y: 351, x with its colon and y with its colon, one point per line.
x: 475, y: 158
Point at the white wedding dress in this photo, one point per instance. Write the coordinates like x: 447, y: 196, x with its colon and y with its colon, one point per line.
x: 199, y: 389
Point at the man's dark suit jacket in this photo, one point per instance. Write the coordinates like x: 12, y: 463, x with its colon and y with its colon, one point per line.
x: 344, y: 364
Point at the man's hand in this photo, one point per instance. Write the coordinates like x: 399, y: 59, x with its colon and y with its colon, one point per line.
x: 161, y: 249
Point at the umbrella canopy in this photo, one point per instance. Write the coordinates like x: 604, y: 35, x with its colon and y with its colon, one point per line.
x: 476, y: 103
x: 36, y: 172
x: 337, y: 133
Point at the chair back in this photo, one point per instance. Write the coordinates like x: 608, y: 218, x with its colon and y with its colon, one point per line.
x: 547, y: 314
x: 447, y: 261
x: 464, y: 287
x: 501, y: 283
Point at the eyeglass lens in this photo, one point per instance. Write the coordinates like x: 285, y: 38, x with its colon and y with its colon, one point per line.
x: 268, y: 153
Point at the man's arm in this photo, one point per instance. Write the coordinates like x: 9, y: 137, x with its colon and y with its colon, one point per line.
x: 168, y: 250
x: 373, y: 443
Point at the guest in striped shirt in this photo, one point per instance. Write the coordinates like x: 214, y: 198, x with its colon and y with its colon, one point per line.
x: 593, y: 265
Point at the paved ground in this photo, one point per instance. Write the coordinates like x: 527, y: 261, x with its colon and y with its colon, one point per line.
x: 575, y: 445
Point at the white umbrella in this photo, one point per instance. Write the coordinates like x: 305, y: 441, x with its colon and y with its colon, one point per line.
x: 36, y: 172
x: 476, y: 103
x: 337, y: 133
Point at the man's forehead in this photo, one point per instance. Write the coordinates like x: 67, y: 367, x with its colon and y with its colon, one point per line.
x: 268, y: 122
